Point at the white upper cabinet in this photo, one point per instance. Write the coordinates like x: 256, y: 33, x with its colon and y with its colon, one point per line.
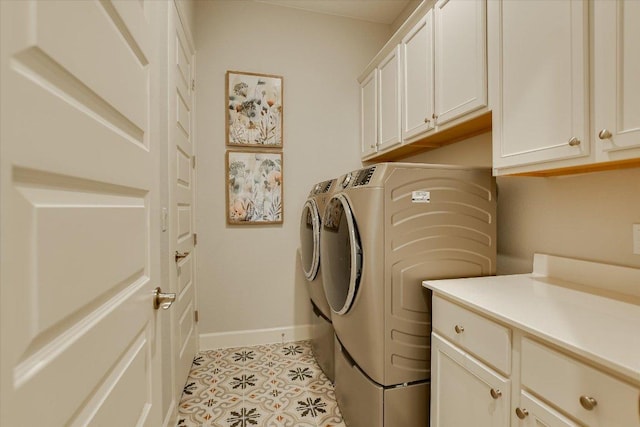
x: 389, y: 100
x: 617, y: 79
x: 539, y: 81
x: 417, y: 83
x: 432, y: 80
x: 461, y: 58
x: 368, y: 114
x: 545, y: 80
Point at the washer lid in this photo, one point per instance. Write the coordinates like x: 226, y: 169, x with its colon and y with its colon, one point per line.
x: 341, y: 254
x: 310, y: 239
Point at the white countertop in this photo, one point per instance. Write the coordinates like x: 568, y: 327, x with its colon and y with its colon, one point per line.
x: 601, y: 329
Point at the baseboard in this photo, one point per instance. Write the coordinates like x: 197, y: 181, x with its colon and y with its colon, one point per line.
x: 254, y: 337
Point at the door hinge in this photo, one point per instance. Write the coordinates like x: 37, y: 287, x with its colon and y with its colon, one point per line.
x: 193, y: 162
x: 195, y: 315
x: 195, y: 239
x: 193, y: 84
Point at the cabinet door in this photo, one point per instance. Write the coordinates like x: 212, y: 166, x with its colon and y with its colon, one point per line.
x: 417, y: 82
x: 540, y: 107
x: 617, y: 79
x: 461, y: 389
x: 460, y: 58
x: 368, y: 114
x: 389, y: 100
x: 533, y: 413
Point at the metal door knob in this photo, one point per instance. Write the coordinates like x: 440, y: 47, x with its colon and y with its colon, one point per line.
x: 179, y: 255
x: 604, y: 134
x: 459, y: 329
x: 522, y: 413
x: 574, y: 142
x: 588, y: 402
x: 161, y: 299
x: 495, y: 393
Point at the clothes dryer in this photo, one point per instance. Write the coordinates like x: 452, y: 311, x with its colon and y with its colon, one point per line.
x: 322, y: 339
x: 387, y: 228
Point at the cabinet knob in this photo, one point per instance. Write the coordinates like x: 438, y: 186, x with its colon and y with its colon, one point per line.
x: 427, y: 120
x: 522, y: 413
x: 588, y: 402
x: 495, y: 393
x: 433, y: 116
x: 604, y: 134
x: 459, y: 329
x: 574, y: 142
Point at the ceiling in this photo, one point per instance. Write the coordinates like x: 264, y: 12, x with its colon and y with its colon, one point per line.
x: 381, y: 11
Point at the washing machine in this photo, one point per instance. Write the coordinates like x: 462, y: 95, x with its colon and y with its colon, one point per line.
x: 387, y: 228
x: 322, y: 338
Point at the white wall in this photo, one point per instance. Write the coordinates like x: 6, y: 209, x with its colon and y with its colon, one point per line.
x: 586, y: 216
x: 247, y: 276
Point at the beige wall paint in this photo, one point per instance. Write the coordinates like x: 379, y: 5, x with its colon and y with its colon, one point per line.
x: 586, y: 216
x: 247, y: 278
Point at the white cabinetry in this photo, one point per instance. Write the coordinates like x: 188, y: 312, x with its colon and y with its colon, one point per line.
x: 540, y: 100
x: 617, y: 79
x: 465, y: 392
x: 368, y: 114
x: 544, y: 87
x: 572, y: 363
x: 389, y: 100
x: 417, y: 82
x: 432, y: 80
x: 461, y: 58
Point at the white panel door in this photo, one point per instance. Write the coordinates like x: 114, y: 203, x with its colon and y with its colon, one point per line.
x: 617, y: 79
x: 79, y: 248
x: 389, y: 100
x: 182, y: 180
x: 417, y: 81
x: 460, y: 58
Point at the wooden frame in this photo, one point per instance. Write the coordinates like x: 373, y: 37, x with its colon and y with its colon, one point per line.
x: 254, y: 110
x: 254, y: 183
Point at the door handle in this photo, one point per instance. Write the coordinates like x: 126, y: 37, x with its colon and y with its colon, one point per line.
x: 179, y: 255
x: 161, y: 299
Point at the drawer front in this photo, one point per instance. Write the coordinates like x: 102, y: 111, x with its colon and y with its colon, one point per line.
x: 482, y: 337
x: 564, y: 382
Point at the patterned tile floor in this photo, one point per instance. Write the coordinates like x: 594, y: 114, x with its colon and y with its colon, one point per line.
x: 274, y: 385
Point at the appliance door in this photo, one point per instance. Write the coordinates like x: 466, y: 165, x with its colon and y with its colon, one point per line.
x: 341, y: 254
x: 310, y: 239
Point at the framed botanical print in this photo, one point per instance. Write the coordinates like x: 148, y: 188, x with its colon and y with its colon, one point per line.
x: 254, y: 187
x: 254, y: 110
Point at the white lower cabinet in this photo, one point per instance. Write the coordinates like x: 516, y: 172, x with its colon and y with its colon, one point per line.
x: 531, y: 412
x: 465, y: 392
x: 471, y: 385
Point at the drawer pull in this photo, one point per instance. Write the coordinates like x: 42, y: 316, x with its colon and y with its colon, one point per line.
x: 459, y: 329
x: 522, y: 413
x: 588, y: 403
x: 496, y: 393
x: 574, y: 142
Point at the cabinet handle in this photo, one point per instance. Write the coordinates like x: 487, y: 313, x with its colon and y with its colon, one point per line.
x: 459, y: 329
x: 427, y: 120
x: 433, y: 116
x: 522, y: 413
x: 496, y: 393
x: 588, y: 402
x: 604, y: 134
x: 573, y: 142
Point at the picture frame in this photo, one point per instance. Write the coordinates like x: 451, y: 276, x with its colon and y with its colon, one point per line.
x: 254, y: 182
x: 254, y: 110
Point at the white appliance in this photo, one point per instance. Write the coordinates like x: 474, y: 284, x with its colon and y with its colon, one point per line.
x: 387, y: 228
x: 322, y: 339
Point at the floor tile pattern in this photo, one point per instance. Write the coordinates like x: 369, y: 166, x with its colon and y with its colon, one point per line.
x: 273, y: 385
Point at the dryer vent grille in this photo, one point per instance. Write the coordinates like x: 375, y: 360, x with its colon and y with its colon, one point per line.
x: 364, y: 176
